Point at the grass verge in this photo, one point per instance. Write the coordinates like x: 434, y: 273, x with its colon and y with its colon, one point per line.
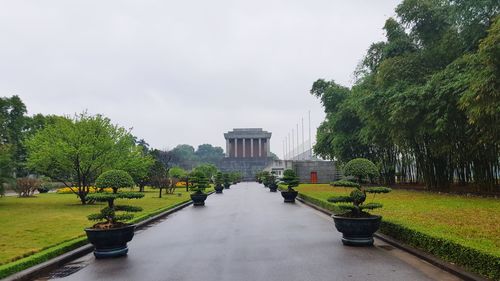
x: 35, y: 230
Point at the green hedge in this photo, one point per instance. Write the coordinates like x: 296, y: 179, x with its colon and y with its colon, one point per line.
x: 321, y: 203
x: 44, y: 255
x: 59, y: 249
x: 471, y: 259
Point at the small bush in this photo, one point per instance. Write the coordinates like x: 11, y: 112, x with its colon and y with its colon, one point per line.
x: 180, y: 184
x: 25, y: 187
x: 43, y: 189
x: 345, y: 183
x: 49, y: 185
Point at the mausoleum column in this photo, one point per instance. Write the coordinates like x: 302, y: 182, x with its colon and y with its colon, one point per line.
x: 251, y: 147
x: 260, y: 147
x: 235, y: 148
x: 244, y: 148
x: 268, y: 148
x: 227, y: 147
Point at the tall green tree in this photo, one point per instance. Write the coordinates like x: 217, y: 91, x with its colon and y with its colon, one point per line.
x: 209, y: 154
x: 12, y: 125
x: 158, y: 175
x: 6, y: 167
x: 75, y: 151
x: 209, y: 170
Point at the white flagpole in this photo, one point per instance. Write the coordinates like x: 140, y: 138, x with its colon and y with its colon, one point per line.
x: 310, y: 139
x: 303, y: 143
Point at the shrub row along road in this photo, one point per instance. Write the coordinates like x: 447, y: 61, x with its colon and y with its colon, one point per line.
x: 248, y: 233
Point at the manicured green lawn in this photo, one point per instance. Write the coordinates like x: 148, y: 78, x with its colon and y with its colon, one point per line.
x: 29, y: 225
x: 470, y: 221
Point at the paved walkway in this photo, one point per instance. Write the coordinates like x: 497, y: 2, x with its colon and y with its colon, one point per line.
x: 248, y: 233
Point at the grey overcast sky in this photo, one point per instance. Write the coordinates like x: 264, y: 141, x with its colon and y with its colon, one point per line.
x: 185, y: 71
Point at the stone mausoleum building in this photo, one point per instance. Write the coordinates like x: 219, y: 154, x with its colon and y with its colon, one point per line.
x: 248, y: 150
x: 248, y: 143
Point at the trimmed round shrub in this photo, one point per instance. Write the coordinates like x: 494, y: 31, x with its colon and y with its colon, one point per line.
x: 361, y: 168
x: 114, y: 179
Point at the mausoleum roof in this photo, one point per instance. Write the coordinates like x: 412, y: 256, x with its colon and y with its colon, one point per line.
x: 247, y: 133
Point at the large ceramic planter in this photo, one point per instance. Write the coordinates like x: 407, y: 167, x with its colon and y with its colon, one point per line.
x: 227, y: 186
x: 289, y: 196
x: 219, y: 188
x: 273, y: 188
x: 199, y: 199
x: 357, y: 231
x: 110, y: 243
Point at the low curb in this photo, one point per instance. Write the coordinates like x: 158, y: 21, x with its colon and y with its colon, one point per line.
x: 54, y: 263
x: 444, y: 265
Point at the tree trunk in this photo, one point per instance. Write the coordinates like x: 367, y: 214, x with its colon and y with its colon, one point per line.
x: 82, y: 197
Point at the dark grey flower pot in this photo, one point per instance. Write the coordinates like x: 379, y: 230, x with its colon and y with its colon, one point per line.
x: 110, y: 243
x: 357, y: 231
x: 227, y: 186
x: 289, y: 196
x: 219, y: 188
x: 273, y: 188
x: 199, y: 199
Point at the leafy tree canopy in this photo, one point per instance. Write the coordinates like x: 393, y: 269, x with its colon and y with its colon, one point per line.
x: 74, y: 151
x: 425, y: 106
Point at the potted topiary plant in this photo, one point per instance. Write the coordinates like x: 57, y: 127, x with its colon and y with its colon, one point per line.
x: 111, y: 234
x: 227, y: 180
x: 218, y: 183
x: 264, y: 176
x: 291, y: 181
x: 271, y: 182
x: 258, y: 177
x: 235, y: 177
x: 199, y: 183
x: 356, y: 225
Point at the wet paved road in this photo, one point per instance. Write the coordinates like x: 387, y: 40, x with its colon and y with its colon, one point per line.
x: 248, y: 233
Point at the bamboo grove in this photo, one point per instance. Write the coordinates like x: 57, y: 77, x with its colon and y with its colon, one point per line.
x: 425, y: 105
